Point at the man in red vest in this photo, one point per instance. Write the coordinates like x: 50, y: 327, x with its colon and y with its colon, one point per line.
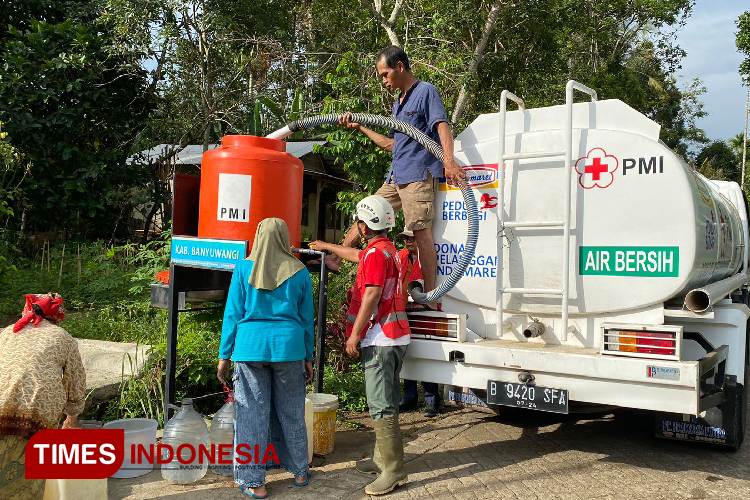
x: 412, y: 271
x: 377, y: 324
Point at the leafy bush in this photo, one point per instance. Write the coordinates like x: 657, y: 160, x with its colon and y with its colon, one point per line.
x: 109, y: 300
x: 348, y: 385
x: 195, y: 371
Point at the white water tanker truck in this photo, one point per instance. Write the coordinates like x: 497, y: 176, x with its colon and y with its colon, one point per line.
x: 596, y: 267
x: 606, y: 271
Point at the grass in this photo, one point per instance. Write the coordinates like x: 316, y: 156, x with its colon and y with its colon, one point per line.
x: 109, y: 300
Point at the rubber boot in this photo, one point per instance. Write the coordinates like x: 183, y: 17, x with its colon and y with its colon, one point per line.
x: 370, y: 465
x: 391, y: 459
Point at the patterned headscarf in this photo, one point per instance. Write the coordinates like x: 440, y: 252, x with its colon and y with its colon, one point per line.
x: 47, y: 306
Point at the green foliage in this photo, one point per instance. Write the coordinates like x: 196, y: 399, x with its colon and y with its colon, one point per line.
x: 147, y: 260
x: 365, y: 164
x: 11, y: 174
x: 8, y: 166
x: 111, y: 301
x: 349, y: 386
x: 624, y: 49
x: 98, y: 302
x: 140, y: 397
x: 718, y: 161
x: 743, y: 44
x: 248, y: 66
x: 75, y: 128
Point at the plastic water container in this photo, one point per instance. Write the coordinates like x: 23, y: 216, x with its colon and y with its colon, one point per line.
x: 138, y: 431
x: 309, y: 428
x: 324, y: 422
x: 77, y: 489
x: 187, y: 427
x: 222, y: 432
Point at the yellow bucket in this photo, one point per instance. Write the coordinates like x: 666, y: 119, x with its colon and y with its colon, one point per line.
x: 324, y: 422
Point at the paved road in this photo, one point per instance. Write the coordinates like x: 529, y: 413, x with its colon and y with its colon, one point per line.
x: 516, y: 455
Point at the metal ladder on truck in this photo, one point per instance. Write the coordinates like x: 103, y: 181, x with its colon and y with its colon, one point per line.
x: 503, y: 224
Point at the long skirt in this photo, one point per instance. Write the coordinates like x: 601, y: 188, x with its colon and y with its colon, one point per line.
x: 13, y: 485
x: 270, y: 420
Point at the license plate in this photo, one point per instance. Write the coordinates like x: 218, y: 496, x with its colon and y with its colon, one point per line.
x: 531, y: 397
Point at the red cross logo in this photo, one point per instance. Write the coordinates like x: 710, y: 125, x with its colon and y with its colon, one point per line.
x: 596, y: 169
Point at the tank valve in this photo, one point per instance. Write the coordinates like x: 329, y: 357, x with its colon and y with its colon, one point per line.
x: 535, y: 329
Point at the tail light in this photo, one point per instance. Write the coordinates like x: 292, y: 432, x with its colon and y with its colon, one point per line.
x: 437, y: 325
x: 643, y: 343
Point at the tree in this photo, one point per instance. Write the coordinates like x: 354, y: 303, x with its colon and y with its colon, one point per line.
x: 13, y: 170
x: 73, y: 128
x: 215, y: 68
x: 743, y: 44
x: 736, y: 143
x: 237, y: 67
x: 70, y: 108
x: 472, y: 50
x: 718, y: 161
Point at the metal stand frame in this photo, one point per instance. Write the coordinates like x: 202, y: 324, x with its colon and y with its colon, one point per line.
x: 190, y: 279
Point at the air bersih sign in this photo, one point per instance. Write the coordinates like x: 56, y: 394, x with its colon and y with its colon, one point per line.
x: 661, y: 261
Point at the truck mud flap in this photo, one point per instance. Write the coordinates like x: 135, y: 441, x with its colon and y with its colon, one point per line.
x: 722, y: 425
x: 697, y: 429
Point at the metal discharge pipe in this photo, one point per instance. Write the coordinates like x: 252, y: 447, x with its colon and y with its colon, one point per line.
x: 433, y: 147
x: 535, y: 329
x: 699, y: 300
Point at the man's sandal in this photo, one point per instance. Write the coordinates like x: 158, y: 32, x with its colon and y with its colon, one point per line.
x: 246, y: 491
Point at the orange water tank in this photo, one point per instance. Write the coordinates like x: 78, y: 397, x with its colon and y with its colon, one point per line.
x: 244, y: 181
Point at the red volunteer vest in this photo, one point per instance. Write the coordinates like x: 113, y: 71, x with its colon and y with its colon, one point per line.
x: 411, y: 271
x: 391, y: 314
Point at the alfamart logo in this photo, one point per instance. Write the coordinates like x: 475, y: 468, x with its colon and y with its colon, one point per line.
x: 479, y: 177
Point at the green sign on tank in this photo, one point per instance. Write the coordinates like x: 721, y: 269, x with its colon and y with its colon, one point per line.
x: 655, y: 262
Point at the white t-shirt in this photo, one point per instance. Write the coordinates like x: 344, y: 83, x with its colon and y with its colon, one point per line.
x: 375, y: 336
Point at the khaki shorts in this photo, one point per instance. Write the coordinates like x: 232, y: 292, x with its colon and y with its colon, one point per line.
x: 416, y: 199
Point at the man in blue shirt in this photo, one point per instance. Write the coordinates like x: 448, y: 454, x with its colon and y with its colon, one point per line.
x: 410, y: 183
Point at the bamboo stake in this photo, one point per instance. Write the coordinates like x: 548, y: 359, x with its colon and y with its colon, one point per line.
x: 41, y: 265
x: 49, y: 256
x: 62, y: 260
x: 78, y: 259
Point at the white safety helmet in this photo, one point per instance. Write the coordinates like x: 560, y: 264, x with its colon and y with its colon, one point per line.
x: 376, y: 213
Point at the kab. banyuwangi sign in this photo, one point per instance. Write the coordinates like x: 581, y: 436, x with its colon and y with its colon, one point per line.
x: 207, y: 253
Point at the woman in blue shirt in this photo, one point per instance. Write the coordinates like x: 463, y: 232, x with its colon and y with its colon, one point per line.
x: 268, y: 334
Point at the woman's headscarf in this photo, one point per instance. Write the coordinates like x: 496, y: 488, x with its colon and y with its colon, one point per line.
x: 47, y: 306
x: 274, y: 262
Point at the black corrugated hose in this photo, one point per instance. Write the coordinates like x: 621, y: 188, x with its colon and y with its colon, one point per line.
x: 433, y: 147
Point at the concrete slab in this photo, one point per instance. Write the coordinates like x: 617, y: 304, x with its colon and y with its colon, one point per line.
x: 108, y: 363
